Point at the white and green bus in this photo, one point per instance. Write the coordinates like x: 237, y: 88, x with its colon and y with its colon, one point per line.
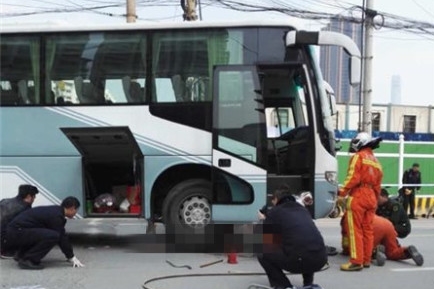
x: 201, y: 119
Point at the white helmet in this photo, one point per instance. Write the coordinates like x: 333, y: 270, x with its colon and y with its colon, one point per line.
x: 304, y: 198
x: 362, y: 139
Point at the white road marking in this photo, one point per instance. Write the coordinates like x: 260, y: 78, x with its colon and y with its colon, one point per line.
x: 413, y: 269
x: 29, y: 287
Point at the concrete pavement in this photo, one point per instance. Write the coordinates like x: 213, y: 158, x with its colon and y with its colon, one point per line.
x: 111, y: 265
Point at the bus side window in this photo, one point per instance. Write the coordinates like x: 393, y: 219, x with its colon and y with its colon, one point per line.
x: 178, y: 85
x: 23, y: 91
x: 88, y: 92
x: 9, y: 97
x: 78, y: 83
x: 134, y: 93
x: 31, y: 94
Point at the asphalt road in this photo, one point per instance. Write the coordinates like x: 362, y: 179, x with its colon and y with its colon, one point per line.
x: 111, y: 264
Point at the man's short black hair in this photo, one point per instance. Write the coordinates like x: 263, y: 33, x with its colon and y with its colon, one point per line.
x: 282, y: 191
x: 384, y: 193
x: 415, y: 165
x: 279, y: 193
x: 25, y: 190
x: 70, y: 202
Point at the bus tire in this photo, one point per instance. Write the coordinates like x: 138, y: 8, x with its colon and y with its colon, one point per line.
x: 187, y: 206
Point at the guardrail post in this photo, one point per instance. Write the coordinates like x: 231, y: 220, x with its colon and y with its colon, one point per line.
x: 401, y: 160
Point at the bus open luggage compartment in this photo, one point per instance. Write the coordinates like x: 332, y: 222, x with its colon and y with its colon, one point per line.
x: 112, y: 170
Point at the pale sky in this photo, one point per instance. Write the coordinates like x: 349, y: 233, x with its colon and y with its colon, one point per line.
x: 408, y: 55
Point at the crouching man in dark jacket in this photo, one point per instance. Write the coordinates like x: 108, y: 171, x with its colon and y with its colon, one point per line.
x: 9, y: 209
x: 36, y: 231
x: 292, y: 242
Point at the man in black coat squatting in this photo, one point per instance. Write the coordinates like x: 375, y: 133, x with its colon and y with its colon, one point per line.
x: 36, y: 231
x: 292, y: 242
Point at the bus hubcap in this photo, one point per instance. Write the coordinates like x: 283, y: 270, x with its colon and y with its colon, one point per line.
x: 196, y: 212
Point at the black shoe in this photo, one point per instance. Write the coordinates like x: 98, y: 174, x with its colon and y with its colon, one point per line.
x: 331, y: 251
x: 380, y: 255
x: 313, y: 286
x: 415, y: 255
x: 7, y: 255
x: 412, y: 217
x: 18, y: 256
x: 27, y: 264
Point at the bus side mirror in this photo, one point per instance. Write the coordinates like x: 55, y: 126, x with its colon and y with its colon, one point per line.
x: 338, y: 145
x: 332, y: 101
x: 331, y: 98
x: 330, y: 38
x: 355, y: 67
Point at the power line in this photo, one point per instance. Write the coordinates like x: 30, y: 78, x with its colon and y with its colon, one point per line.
x: 423, y: 8
x: 291, y: 8
x: 58, y: 10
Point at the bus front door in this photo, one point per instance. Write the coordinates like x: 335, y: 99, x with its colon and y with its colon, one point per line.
x: 239, y: 145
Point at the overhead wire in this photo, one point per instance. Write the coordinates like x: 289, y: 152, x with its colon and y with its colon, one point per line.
x: 57, y: 10
x: 97, y: 11
x: 348, y: 12
x: 423, y: 8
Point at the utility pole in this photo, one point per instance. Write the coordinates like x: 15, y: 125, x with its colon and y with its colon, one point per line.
x: 131, y: 11
x: 189, y: 7
x: 367, y: 73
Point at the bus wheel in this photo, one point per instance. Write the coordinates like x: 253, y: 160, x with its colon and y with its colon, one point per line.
x: 188, y: 205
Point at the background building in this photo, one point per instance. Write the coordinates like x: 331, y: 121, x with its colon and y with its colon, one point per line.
x: 395, y: 90
x: 335, y: 62
x: 388, y: 118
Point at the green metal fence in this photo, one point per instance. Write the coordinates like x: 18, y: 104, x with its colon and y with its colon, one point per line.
x: 388, y: 154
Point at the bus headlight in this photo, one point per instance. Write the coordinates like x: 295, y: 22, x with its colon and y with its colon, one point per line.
x: 331, y: 177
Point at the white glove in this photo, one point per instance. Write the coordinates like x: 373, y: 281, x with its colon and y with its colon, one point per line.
x: 124, y: 206
x: 75, y: 262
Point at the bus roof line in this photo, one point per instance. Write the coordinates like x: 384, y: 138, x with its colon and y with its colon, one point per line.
x: 62, y: 27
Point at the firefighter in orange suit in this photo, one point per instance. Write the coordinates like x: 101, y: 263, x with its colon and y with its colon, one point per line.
x: 386, y: 243
x: 359, y: 192
x: 386, y: 235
